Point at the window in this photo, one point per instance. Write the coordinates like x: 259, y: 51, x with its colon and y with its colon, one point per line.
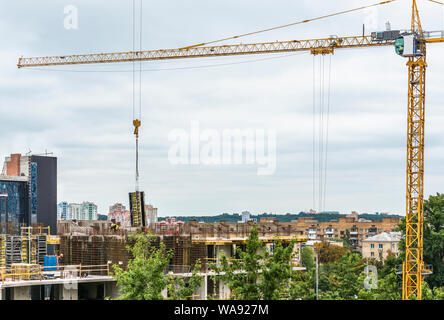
x: 372, y: 246
x: 372, y: 254
x: 380, y: 246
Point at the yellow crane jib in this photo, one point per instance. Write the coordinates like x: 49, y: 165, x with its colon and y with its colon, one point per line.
x: 136, y: 124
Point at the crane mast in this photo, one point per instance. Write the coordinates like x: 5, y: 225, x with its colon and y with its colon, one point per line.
x: 413, y: 266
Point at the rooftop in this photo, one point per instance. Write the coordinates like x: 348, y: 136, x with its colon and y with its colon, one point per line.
x: 384, y: 237
x: 13, y: 178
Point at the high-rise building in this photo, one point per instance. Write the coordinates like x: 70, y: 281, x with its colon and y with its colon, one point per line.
x: 14, y: 204
x: 77, y: 211
x: 117, y: 207
x: 150, y: 214
x: 121, y: 217
x: 119, y: 214
x: 89, y: 211
x: 40, y: 176
x: 63, y: 211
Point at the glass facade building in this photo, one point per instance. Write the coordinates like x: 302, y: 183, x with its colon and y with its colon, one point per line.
x: 31, y: 191
x: 14, y: 206
x: 64, y: 211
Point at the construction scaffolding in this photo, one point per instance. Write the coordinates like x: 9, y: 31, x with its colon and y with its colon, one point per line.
x: 96, y: 243
x: 30, y: 247
x: 93, y: 243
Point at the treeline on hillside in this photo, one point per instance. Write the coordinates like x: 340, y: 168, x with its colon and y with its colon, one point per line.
x: 320, y: 217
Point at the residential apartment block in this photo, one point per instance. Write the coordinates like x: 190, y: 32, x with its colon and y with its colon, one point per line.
x: 150, y: 214
x: 119, y: 214
x: 380, y: 245
x: 77, y: 211
x: 357, y: 229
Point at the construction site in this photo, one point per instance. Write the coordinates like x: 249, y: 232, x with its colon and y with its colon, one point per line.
x: 75, y: 262
x: 91, y: 248
x: 94, y: 242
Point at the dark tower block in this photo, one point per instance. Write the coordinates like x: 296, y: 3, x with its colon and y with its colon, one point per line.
x: 43, y: 191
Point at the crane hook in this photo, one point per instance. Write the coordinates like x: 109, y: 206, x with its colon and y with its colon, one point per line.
x: 136, y: 124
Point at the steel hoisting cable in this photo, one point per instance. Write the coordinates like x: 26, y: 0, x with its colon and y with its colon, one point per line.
x: 134, y: 49
x: 320, y: 135
x: 136, y: 119
x: 321, y: 153
x: 438, y: 2
x: 289, y: 25
x: 134, y: 98
x: 321, y: 115
x: 314, y: 133
x: 327, y: 127
x: 140, y: 62
x: 140, y: 100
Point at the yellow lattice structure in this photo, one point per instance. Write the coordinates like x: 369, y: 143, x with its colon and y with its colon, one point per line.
x: 413, y: 264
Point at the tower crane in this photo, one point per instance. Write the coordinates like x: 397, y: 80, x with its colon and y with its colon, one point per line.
x: 410, y: 44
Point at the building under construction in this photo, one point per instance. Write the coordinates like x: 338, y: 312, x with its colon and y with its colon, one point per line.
x: 96, y: 243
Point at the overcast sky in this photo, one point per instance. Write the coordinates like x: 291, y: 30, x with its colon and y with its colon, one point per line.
x: 85, y: 117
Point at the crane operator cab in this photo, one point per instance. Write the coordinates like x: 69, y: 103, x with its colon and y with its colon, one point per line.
x: 407, y: 46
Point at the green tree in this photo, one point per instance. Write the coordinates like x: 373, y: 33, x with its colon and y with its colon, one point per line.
x: 145, y: 277
x: 387, y: 288
x: 307, y: 258
x: 329, y: 253
x: 276, y: 271
x: 346, y: 240
x: 179, y: 289
x: 257, y: 273
x: 301, y: 285
x: 433, y: 239
x: 342, y: 278
x: 436, y: 293
x: 242, y: 274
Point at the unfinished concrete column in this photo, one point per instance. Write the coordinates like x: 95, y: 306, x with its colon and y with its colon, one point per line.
x: 21, y: 293
x: 70, y: 292
x: 111, y: 290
